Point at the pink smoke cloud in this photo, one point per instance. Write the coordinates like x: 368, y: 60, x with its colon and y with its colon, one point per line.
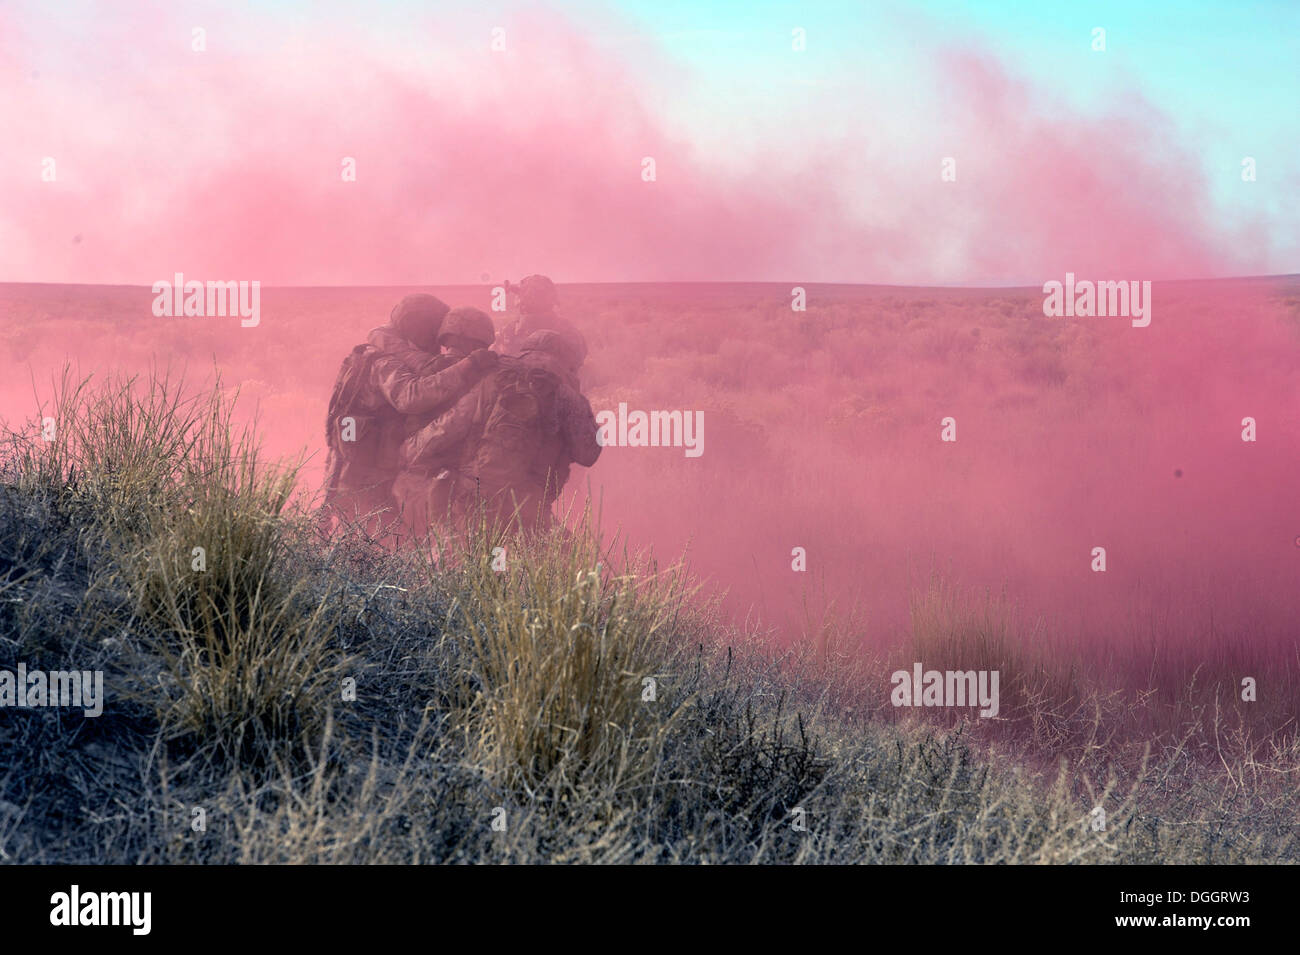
x: 227, y: 163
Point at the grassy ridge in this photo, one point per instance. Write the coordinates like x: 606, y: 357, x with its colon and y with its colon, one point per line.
x: 583, y: 700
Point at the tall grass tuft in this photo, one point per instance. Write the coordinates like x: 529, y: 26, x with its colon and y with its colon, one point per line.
x: 562, y: 643
x: 199, y: 525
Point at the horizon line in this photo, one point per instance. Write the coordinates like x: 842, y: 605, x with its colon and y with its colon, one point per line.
x: 480, y: 285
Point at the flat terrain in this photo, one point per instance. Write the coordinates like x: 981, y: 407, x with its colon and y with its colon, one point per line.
x: 822, y: 432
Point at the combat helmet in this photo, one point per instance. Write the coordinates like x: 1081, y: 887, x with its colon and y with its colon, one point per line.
x: 537, y: 294
x: 418, y: 318
x: 551, y: 346
x: 470, y: 322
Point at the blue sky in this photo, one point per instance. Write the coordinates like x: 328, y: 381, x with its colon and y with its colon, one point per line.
x: 1226, y: 74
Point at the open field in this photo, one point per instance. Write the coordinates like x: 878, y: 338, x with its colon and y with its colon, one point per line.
x: 1120, y: 689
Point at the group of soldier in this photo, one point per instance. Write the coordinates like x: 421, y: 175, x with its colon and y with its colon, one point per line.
x: 438, y: 420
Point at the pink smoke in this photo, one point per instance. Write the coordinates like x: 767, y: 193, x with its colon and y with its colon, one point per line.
x: 227, y: 164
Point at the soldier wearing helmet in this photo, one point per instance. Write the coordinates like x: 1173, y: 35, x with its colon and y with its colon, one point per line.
x: 464, y: 335
x: 465, y: 330
x: 385, y: 388
x: 417, y: 319
x: 548, y: 348
x: 508, y: 444
x: 538, y: 300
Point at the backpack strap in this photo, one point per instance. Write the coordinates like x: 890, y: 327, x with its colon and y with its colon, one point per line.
x: 355, y: 373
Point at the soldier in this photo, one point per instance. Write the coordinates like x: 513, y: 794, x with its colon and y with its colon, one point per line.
x: 465, y: 330
x: 552, y: 350
x: 537, y: 300
x: 507, y: 446
x: 465, y: 333
x: 392, y: 376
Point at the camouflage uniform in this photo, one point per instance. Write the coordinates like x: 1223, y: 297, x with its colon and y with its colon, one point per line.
x: 402, y: 384
x: 537, y: 311
x: 466, y: 333
x: 509, y: 443
x: 556, y: 352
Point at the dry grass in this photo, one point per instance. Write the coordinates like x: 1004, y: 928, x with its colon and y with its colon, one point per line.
x: 566, y: 653
x: 504, y: 715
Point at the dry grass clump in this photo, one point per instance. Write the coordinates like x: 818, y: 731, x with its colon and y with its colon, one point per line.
x: 566, y: 653
x: 196, y: 526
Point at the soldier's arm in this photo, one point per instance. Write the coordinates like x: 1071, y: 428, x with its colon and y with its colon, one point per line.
x: 410, y: 392
x: 441, y: 435
x: 579, y: 426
